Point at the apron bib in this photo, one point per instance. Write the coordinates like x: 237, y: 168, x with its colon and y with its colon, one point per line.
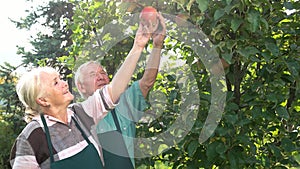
x: 88, y: 158
x: 114, y: 140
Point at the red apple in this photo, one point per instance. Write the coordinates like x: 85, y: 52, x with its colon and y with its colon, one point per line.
x: 148, y: 17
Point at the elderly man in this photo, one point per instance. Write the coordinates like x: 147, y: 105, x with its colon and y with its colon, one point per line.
x: 117, y: 130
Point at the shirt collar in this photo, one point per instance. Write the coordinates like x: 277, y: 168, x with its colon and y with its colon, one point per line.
x: 50, y: 120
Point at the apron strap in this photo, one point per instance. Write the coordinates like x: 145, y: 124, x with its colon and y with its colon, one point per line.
x: 82, y: 132
x: 116, y: 121
x: 119, y: 130
x: 48, y: 138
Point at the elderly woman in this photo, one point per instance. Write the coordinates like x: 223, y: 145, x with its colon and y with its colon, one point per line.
x: 56, y: 136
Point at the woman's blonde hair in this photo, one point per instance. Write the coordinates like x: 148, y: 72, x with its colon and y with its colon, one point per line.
x: 29, y: 88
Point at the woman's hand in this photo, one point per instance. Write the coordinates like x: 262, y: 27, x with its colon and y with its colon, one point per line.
x: 142, y: 37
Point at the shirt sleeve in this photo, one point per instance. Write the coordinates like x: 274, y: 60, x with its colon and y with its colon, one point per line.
x: 24, y: 157
x: 132, y: 103
x: 99, y: 104
x: 130, y: 109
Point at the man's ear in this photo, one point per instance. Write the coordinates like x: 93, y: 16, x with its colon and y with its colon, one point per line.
x: 42, y: 102
x: 81, y: 88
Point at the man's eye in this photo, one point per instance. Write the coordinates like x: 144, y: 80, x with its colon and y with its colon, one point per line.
x: 92, y: 74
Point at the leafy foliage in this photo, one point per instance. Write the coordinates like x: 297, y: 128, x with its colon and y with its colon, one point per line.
x: 11, y: 110
x: 257, y: 41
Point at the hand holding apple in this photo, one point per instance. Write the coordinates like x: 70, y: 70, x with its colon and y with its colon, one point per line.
x: 149, y: 18
x: 142, y: 37
x: 159, y: 34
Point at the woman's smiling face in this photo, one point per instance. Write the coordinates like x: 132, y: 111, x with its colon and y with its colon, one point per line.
x: 56, y: 90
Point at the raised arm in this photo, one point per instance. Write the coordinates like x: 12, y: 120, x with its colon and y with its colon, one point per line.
x: 123, y: 76
x: 151, y: 70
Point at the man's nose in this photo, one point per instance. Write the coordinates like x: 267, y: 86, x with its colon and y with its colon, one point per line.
x: 99, y: 76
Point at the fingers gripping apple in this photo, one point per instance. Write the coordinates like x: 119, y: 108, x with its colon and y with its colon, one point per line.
x: 148, y: 18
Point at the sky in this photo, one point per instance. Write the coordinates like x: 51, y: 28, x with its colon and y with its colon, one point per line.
x: 10, y: 35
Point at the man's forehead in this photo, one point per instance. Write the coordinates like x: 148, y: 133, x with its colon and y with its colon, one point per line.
x: 93, y: 67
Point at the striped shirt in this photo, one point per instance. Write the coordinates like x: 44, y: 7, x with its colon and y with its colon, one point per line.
x: 30, y: 149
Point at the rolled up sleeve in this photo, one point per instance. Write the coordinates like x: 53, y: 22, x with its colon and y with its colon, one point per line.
x: 99, y: 104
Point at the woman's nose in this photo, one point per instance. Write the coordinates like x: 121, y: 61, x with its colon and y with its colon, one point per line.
x: 64, y: 83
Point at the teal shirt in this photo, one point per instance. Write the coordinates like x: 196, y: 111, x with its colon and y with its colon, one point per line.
x: 129, y: 111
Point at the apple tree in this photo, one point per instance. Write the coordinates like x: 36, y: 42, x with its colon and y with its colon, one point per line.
x: 257, y: 46
x: 258, y: 43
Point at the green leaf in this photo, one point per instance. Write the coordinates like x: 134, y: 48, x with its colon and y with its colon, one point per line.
x: 233, y: 159
x: 221, y: 148
x: 273, y: 48
x: 202, y: 5
x: 231, y: 106
x: 297, y: 158
x: 228, y: 8
x: 256, y: 112
x: 243, y: 139
x: 263, y: 20
x: 252, y: 17
x: 294, y: 68
x: 288, y: 5
x: 227, y: 57
x: 272, y: 98
x: 228, y: 2
x: 275, y: 150
x: 248, y: 51
x: 173, y: 95
x: 235, y: 24
x: 192, y: 147
x: 231, y: 118
x: 211, y: 151
x: 171, y: 77
x: 266, y: 56
x: 288, y: 145
x: 282, y: 112
x: 218, y: 14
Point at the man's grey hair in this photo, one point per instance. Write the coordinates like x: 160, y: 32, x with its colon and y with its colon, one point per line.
x: 78, y: 74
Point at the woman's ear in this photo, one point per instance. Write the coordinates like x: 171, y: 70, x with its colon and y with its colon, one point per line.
x: 42, y: 102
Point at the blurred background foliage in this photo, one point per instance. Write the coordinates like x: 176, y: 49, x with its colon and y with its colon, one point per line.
x: 258, y: 45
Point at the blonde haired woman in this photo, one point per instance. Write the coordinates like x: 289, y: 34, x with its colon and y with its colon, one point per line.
x: 57, y: 137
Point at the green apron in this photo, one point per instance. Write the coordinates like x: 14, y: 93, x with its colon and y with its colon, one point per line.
x: 114, y: 140
x: 88, y: 158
